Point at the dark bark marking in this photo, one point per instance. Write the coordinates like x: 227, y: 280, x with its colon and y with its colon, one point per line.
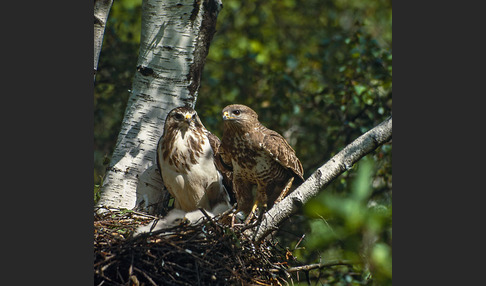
x: 145, y: 71
x: 195, y: 10
x: 205, y: 35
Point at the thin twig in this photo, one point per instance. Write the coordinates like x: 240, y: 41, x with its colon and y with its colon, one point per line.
x: 228, y: 210
x: 145, y: 275
x: 314, y: 266
x: 300, y: 240
x: 210, y: 219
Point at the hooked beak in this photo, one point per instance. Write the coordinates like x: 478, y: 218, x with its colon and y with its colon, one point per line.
x: 188, y: 118
x: 226, y: 116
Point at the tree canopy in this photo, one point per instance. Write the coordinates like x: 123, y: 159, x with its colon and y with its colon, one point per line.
x: 320, y: 73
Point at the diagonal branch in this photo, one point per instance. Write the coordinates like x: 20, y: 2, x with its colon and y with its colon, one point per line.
x: 337, y: 165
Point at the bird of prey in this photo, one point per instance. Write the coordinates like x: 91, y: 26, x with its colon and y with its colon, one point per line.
x: 186, y: 156
x: 259, y: 158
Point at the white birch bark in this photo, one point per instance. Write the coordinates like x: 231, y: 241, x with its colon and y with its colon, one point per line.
x: 101, y: 11
x: 173, y: 47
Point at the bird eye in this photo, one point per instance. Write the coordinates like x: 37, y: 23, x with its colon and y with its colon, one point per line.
x: 194, y: 116
x: 178, y: 116
x: 236, y: 112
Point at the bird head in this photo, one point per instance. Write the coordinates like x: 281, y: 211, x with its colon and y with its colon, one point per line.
x: 184, y: 117
x: 239, y: 113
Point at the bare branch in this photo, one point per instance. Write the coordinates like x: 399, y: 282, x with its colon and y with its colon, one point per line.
x: 337, y: 165
x: 314, y: 266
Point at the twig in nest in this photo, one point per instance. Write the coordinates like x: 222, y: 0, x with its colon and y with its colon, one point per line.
x: 226, y: 212
x: 248, y: 226
x: 149, y: 279
x: 210, y: 219
x: 182, y: 255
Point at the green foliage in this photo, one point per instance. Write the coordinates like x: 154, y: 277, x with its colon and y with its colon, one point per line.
x: 320, y: 73
x: 353, y: 226
x: 317, y: 80
x: 97, y: 189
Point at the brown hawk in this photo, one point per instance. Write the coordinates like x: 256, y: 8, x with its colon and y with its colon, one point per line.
x: 259, y: 157
x: 186, y: 156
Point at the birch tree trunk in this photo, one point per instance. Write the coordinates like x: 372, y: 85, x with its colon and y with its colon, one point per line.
x: 174, y: 43
x: 101, y: 11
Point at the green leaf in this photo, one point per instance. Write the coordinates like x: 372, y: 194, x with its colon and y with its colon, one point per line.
x: 359, y: 89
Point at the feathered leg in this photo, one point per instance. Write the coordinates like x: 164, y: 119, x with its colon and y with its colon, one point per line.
x: 261, y: 200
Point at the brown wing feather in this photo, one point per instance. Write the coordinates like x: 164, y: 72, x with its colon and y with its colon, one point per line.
x: 158, y: 154
x: 223, y: 168
x: 214, y: 141
x: 275, y: 145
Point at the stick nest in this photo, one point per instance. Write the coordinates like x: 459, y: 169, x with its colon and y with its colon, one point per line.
x: 208, y: 253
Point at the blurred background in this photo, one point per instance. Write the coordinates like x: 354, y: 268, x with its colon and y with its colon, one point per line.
x: 320, y: 73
